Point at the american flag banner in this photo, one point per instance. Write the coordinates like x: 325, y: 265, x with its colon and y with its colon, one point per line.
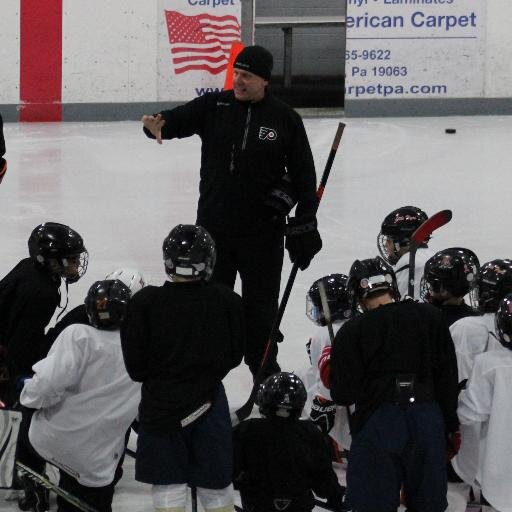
x: 201, y: 42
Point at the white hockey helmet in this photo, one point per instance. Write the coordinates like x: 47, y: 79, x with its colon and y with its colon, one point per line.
x: 131, y: 277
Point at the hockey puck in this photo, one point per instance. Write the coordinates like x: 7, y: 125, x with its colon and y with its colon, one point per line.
x: 450, y: 130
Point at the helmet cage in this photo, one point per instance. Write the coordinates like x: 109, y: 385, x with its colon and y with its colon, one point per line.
x: 503, y: 322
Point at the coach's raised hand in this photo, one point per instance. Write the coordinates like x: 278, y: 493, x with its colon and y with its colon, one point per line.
x: 153, y: 126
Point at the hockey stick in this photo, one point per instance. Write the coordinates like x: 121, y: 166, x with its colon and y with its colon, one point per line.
x: 328, y: 320
x: 418, y: 237
x: 246, y: 409
x: 40, y: 479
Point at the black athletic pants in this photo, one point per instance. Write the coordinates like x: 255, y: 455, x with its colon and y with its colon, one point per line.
x: 259, y: 261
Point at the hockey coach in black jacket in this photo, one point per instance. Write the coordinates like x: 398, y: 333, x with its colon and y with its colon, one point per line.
x: 256, y: 164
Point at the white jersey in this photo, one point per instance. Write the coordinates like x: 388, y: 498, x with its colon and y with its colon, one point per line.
x: 402, y: 271
x: 486, y: 407
x: 340, y: 432
x: 471, y: 336
x: 86, y: 402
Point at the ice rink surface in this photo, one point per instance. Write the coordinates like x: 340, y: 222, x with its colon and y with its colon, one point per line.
x: 123, y: 193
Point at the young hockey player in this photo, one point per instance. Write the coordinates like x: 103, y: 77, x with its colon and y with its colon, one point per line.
x: 449, y: 275
x: 132, y: 278
x: 474, y: 335
x: 180, y: 340
x: 331, y: 419
x: 84, y: 400
x: 393, y: 243
x: 397, y: 364
x: 281, y: 460
x: 485, y: 405
x: 29, y: 295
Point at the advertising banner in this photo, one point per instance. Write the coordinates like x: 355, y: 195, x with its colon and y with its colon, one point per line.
x: 415, y: 49
x: 194, y: 40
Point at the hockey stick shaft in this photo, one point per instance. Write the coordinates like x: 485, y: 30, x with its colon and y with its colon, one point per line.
x: 328, y: 320
x: 40, y: 479
x: 246, y: 409
x: 437, y: 220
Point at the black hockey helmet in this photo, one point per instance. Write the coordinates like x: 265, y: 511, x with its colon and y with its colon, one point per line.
x: 452, y: 270
x: 338, y: 299
x: 367, y: 277
x: 503, y: 321
x: 396, y: 230
x: 282, y: 394
x: 60, y: 249
x: 106, y: 303
x: 493, y: 283
x: 189, y: 251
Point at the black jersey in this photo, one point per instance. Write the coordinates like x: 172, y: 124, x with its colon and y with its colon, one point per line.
x: 281, y: 459
x: 28, y: 299
x: 454, y: 312
x: 246, y: 149
x: 180, y: 340
x: 374, y: 351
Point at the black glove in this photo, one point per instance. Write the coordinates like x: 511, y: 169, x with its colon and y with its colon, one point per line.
x: 282, y: 197
x: 323, y: 413
x: 302, y: 240
x: 3, y: 168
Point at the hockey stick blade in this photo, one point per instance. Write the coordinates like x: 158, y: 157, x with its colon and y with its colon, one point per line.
x: 243, y: 412
x: 430, y: 225
x: 419, y: 236
x: 40, y: 479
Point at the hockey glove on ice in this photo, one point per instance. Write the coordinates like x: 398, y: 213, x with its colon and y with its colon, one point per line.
x: 323, y: 413
x: 302, y: 240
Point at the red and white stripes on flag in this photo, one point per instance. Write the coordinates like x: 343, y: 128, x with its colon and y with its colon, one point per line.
x: 201, y: 42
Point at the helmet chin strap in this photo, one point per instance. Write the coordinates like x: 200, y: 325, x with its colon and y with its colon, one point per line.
x: 67, y: 301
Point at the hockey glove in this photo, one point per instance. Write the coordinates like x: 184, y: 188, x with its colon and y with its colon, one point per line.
x: 323, y: 413
x: 3, y: 168
x: 302, y: 240
x: 282, y: 198
x: 453, y: 442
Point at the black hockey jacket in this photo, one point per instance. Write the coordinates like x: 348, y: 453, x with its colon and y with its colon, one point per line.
x: 246, y: 149
x: 398, y: 339
x: 180, y: 340
x: 28, y: 299
x: 277, y: 459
